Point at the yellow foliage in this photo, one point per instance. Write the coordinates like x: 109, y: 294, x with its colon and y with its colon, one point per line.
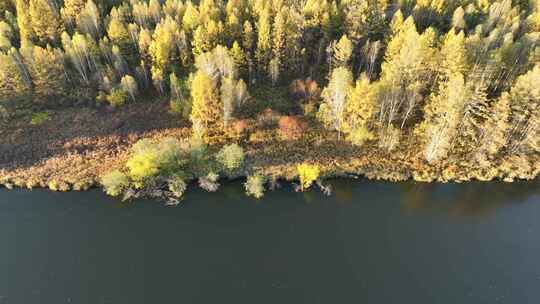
x: 142, y: 166
x: 205, y: 110
x: 360, y: 135
x: 307, y: 174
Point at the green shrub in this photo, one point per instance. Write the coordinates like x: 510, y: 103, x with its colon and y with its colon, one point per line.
x: 150, y: 159
x: 115, y: 182
x: 39, y: 118
x: 307, y: 174
x: 231, y: 157
x: 117, y: 97
x: 254, y: 185
x: 177, y: 186
x: 200, y: 162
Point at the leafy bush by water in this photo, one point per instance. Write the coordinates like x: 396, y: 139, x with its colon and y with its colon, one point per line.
x: 231, y: 157
x: 254, y: 185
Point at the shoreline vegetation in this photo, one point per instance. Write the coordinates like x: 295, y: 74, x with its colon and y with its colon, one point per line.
x: 78, y: 157
x: 148, y: 98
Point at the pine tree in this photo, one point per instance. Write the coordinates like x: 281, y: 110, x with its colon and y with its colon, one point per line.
x: 7, y: 5
x: 264, y: 47
x: 342, y: 52
x: 200, y: 42
x: 216, y: 92
x: 71, y: 11
x: 524, y: 100
x: 47, y: 73
x: 234, y: 26
x: 453, y: 54
x: 278, y: 46
x: 191, y: 18
x: 239, y: 57
x: 359, y: 111
x: 163, y: 50
x: 475, y: 113
x: 15, y: 83
x: 248, y: 43
x: 145, y: 40
x: 45, y: 21
x: 206, y: 111
x: 154, y: 10
x: 89, y: 19
x: 496, y: 128
x: 118, y: 33
x: 356, y: 16
x: 458, y: 19
x: 248, y: 37
x: 129, y: 86
x: 24, y: 21
x: 79, y: 51
x: 6, y: 36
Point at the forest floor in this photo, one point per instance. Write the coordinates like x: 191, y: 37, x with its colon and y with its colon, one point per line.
x: 73, y: 147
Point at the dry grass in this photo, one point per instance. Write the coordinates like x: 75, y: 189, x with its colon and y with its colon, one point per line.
x: 76, y: 146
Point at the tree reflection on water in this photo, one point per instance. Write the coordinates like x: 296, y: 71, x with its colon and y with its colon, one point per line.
x: 467, y: 199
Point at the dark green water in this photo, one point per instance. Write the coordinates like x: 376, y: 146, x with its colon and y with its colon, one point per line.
x: 368, y: 243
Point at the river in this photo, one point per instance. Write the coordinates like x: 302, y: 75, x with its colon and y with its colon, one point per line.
x: 370, y: 242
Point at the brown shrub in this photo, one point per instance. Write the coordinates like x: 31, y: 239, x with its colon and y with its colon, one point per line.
x: 291, y: 127
x: 307, y: 90
x: 267, y: 118
x: 239, y: 128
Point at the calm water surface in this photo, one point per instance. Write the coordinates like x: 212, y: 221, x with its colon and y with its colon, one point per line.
x: 367, y: 243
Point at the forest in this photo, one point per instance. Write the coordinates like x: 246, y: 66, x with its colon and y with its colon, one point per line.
x: 434, y: 88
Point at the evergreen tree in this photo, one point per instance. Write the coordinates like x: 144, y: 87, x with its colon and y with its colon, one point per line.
x: 163, y: 50
x: 45, y: 21
x: 239, y: 57
x: 278, y: 46
x: 118, y: 34
x: 524, y: 100
x: 342, y: 52
x: 79, y: 51
x: 191, y: 18
x: 89, y: 20
x: 71, y: 11
x: 47, y: 73
x: 214, y: 105
x: 359, y: 111
x: 264, y: 39
x: 24, y: 21
x: 7, y: 5
x: 6, y: 36
x: 129, y: 85
x: 453, y: 54
x: 206, y: 110
x: 15, y: 82
x: 496, y: 128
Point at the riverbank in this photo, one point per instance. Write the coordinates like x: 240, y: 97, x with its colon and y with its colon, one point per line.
x: 73, y: 147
